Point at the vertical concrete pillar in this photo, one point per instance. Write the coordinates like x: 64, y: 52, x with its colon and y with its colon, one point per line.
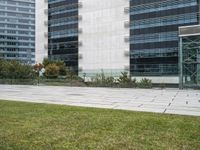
x: 41, y: 30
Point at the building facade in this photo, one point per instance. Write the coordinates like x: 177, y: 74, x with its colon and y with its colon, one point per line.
x: 154, y: 38
x: 114, y: 36
x: 17, y: 30
x: 94, y: 36
x: 63, y: 31
x: 189, y: 56
x: 103, y: 32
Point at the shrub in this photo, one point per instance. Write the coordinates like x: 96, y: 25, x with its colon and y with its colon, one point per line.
x: 58, y: 63
x: 52, y: 71
x: 125, y: 81
x: 62, y: 70
x: 25, y: 72
x: 145, y: 83
x: 100, y: 80
x: 15, y: 70
x: 1, y: 68
x: 47, y: 61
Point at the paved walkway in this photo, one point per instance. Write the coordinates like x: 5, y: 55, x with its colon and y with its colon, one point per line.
x: 170, y: 101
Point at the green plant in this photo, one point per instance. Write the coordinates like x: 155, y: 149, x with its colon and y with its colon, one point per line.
x: 145, y: 83
x: 101, y: 80
x: 125, y: 81
x: 15, y: 70
x: 61, y: 64
x: 1, y: 68
x: 52, y: 71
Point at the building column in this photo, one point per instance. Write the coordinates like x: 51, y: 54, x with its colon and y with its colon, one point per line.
x: 41, y: 30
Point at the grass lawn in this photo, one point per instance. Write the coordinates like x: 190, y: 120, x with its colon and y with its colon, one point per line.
x: 27, y: 126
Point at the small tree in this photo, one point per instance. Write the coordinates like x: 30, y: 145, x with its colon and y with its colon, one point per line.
x: 52, y: 71
x: 58, y: 63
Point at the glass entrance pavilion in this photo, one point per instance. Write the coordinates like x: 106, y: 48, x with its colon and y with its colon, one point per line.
x: 189, y: 56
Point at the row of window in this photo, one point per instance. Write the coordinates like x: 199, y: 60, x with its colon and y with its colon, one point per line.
x: 164, y: 21
x: 157, y: 52
x: 17, y: 27
x: 63, y: 9
x: 66, y: 33
x: 14, y: 20
x: 18, y: 15
x: 17, y: 38
x: 20, y: 3
x: 17, y: 50
x: 55, y: 1
x: 160, y: 6
x: 17, y: 21
x: 18, y: 9
x: 18, y: 55
x: 154, y: 69
x: 17, y: 32
x: 63, y: 21
x: 17, y: 43
x: 156, y: 37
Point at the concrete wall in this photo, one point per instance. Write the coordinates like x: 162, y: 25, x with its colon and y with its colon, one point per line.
x: 41, y: 51
x: 103, y: 45
x: 160, y: 80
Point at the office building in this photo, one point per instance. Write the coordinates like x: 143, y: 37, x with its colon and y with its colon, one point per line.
x: 17, y: 30
x: 23, y: 30
x: 114, y: 36
x: 93, y: 36
x: 154, y: 40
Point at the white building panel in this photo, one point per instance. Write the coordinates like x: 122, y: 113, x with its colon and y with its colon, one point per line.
x: 103, y: 32
x: 41, y: 30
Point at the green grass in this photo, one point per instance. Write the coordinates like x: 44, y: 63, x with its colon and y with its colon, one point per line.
x: 26, y: 126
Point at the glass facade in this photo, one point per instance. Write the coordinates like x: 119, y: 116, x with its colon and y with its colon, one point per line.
x: 63, y: 32
x: 17, y: 30
x: 190, y: 61
x: 189, y: 51
x: 154, y: 34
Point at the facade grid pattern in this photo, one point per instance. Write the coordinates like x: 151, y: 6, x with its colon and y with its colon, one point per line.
x: 17, y: 30
x: 154, y: 34
x: 63, y: 32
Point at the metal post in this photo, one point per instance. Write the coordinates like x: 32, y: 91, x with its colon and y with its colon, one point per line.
x: 181, y: 63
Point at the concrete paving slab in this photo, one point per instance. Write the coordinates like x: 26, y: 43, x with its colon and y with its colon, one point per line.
x: 170, y: 101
